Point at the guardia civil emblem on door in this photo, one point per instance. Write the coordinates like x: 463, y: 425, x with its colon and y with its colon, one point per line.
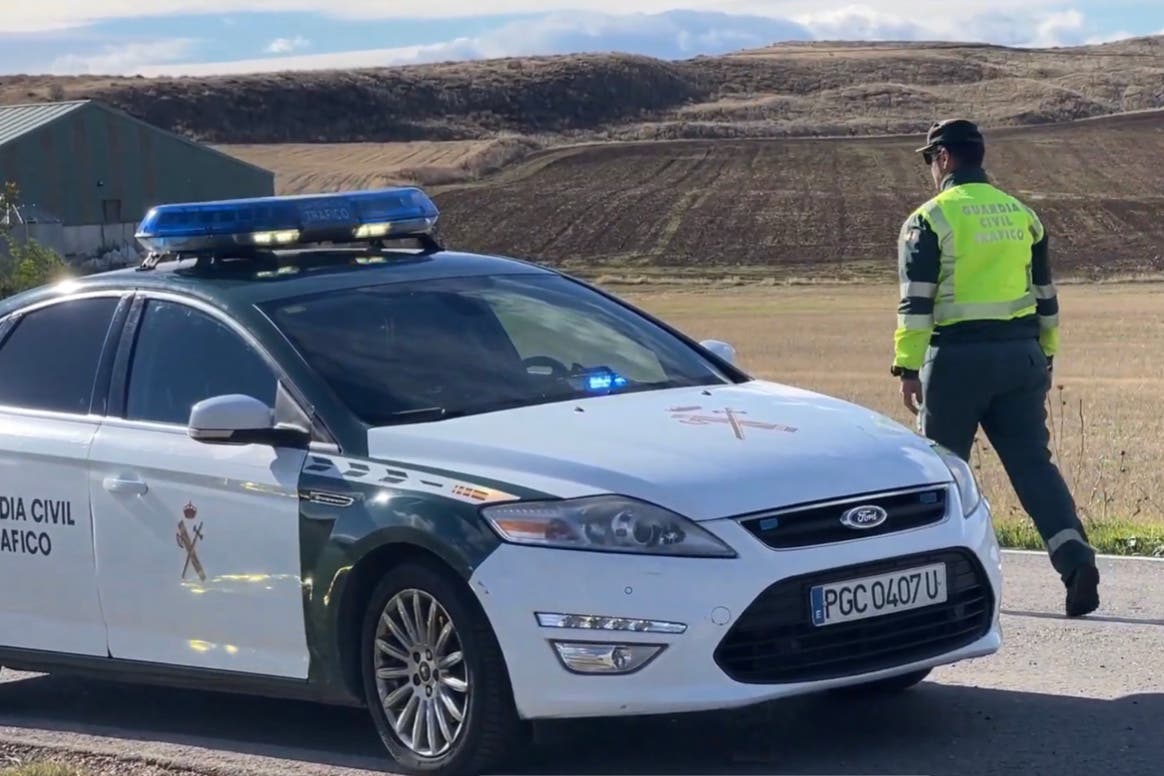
x: 189, y: 534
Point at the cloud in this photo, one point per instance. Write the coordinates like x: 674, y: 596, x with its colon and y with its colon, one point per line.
x: 861, y: 22
x: 1094, y: 40
x: 287, y: 45
x: 671, y: 35
x: 462, y: 48
x: 1057, y: 28
x: 1027, y: 25
x: 125, y: 57
x: 63, y: 14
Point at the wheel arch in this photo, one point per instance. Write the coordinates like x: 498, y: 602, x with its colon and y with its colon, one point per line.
x: 361, y: 581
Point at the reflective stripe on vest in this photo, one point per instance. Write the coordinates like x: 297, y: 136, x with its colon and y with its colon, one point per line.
x: 985, y: 237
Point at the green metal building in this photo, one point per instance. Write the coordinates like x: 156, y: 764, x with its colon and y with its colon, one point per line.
x: 99, y: 170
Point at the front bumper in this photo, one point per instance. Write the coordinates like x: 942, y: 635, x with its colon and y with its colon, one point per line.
x: 748, y: 638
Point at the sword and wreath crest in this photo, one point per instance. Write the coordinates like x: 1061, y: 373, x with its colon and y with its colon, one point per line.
x: 188, y: 539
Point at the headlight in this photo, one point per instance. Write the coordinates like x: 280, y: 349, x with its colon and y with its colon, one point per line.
x: 604, y: 524
x: 964, y: 478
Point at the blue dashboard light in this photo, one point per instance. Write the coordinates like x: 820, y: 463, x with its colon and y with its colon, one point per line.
x: 604, y: 381
x: 346, y: 217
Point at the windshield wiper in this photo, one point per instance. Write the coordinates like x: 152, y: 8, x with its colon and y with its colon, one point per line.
x: 422, y: 415
x: 430, y: 414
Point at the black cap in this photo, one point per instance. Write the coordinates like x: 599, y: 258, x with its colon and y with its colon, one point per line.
x: 952, y: 132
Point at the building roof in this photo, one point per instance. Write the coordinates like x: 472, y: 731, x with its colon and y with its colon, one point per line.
x: 18, y: 120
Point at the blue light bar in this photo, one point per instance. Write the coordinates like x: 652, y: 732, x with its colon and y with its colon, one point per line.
x: 274, y: 222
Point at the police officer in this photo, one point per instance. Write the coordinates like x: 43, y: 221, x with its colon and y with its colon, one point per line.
x: 976, y: 337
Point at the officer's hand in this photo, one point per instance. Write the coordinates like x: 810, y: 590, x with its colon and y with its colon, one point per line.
x: 911, y: 394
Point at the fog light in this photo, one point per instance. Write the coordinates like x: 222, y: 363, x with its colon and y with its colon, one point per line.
x: 589, y: 658
x: 595, y: 622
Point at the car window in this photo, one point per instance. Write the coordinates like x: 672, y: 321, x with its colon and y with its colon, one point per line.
x: 542, y: 329
x: 49, y: 360
x: 406, y: 352
x: 183, y: 356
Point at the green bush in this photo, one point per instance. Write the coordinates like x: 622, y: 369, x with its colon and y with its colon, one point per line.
x: 29, y: 265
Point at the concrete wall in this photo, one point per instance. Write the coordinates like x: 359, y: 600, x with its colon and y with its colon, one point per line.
x: 91, y: 248
x: 51, y: 236
x: 89, y: 240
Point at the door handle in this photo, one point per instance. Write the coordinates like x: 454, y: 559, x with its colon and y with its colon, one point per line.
x: 129, y: 485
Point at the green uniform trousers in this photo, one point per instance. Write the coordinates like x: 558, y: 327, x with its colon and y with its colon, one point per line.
x: 1003, y: 387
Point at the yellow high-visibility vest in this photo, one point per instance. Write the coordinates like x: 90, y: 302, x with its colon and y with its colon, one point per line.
x: 983, y: 271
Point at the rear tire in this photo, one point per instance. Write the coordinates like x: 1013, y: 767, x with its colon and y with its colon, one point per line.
x: 892, y: 685
x: 434, y: 677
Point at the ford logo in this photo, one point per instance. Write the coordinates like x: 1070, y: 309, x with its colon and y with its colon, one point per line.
x: 864, y: 517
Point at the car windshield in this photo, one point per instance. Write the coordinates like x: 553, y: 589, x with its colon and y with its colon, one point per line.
x: 433, y: 349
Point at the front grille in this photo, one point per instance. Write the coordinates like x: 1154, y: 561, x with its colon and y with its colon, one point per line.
x: 814, y: 524
x: 774, y: 641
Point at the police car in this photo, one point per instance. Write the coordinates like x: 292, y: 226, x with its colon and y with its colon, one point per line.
x: 305, y: 451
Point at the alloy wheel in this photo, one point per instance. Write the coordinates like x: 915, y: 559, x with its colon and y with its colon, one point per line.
x: 421, y: 676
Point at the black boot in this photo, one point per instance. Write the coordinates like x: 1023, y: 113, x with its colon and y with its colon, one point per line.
x: 1083, y: 591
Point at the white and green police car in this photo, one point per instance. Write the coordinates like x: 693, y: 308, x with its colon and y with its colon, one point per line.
x: 286, y: 456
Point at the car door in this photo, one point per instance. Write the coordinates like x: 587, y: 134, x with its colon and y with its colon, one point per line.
x: 197, y: 544
x: 52, y: 360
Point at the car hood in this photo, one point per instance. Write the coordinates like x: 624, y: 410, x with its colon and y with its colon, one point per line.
x: 704, y: 453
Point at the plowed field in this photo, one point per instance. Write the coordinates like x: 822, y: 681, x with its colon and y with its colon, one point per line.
x: 816, y: 208
x: 314, y: 167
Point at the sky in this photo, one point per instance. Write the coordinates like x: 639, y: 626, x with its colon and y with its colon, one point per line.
x: 208, y: 37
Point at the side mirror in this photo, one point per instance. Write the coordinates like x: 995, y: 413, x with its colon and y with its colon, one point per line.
x: 236, y: 419
x: 721, y: 349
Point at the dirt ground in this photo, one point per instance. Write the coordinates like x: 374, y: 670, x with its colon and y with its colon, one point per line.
x: 825, y: 209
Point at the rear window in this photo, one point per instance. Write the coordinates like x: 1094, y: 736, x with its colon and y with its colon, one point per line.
x: 49, y: 360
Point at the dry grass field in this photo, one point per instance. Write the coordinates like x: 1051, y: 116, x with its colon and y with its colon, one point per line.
x: 821, y: 209
x: 317, y: 167
x: 1107, y: 407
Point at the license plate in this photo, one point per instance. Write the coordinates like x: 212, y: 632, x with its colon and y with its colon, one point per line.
x: 897, y: 591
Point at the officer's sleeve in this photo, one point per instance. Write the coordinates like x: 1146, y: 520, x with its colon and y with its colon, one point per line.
x: 918, y: 262
x: 1046, y: 296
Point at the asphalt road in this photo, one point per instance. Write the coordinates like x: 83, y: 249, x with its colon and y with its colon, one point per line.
x: 1063, y: 697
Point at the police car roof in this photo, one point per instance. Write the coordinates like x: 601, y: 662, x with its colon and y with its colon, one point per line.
x: 290, y: 273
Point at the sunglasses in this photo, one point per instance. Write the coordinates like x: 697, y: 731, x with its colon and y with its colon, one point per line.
x: 929, y: 156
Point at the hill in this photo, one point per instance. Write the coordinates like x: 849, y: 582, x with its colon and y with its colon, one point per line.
x: 780, y: 161
x: 786, y: 90
x: 823, y: 209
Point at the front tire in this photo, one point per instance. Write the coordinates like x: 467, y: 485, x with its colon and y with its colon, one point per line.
x: 434, y: 678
